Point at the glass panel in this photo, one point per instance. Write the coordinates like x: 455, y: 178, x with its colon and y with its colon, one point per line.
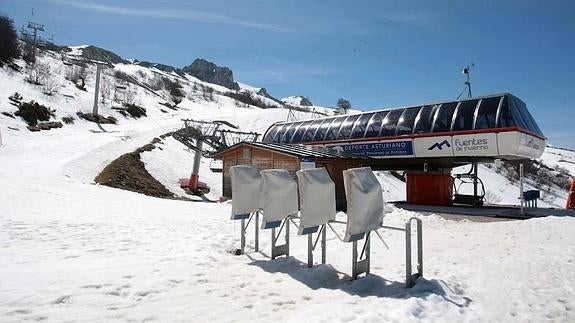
x: 389, y: 124
x: 465, y: 114
x: 487, y: 113
x: 296, y: 139
x: 281, y: 132
x: 289, y: 133
x: 320, y: 134
x: 444, y: 116
x: 526, y: 116
x: 310, y: 133
x: 424, y: 120
x: 374, y: 125
x: 534, y: 124
x: 406, y: 121
x: 271, y: 133
x: 334, y: 128
x: 347, y: 127
x: 505, y: 116
x: 361, y: 125
x: 517, y: 117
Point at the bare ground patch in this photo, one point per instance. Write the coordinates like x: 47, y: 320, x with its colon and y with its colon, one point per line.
x: 128, y: 172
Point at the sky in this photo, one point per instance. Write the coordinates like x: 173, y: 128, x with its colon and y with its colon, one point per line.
x: 373, y: 53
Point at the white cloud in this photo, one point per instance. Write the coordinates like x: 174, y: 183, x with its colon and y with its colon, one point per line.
x: 182, y: 14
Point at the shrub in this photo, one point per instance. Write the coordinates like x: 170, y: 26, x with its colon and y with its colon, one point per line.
x: 32, y: 112
x: 97, y: 118
x: 68, y: 119
x: 38, y: 73
x: 134, y: 110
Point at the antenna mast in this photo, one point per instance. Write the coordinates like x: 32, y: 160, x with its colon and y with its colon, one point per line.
x: 467, y: 71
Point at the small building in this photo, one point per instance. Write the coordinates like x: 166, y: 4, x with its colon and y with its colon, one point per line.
x: 292, y: 158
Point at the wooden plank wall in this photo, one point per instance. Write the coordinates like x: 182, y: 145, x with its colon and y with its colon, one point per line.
x: 266, y: 159
x: 261, y: 158
x: 335, y: 168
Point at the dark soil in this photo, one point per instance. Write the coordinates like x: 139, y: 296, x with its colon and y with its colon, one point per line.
x: 128, y: 172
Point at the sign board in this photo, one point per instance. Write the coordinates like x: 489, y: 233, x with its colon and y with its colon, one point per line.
x: 483, y: 144
x: 399, y: 148
x: 434, y: 147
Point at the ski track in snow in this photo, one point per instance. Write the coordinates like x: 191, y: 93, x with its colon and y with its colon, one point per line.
x: 73, y: 251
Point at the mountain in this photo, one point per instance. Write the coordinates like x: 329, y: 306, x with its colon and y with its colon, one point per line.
x: 72, y: 247
x: 96, y: 53
x: 212, y: 73
x: 297, y: 100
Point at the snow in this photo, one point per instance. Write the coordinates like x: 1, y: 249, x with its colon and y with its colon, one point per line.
x: 71, y: 250
x: 77, y: 50
x: 557, y: 157
x: 249, y: 87
x: 292, y: 100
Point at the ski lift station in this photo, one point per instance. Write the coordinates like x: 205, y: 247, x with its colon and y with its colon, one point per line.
x: 303, y: 171
x: 426, y: 141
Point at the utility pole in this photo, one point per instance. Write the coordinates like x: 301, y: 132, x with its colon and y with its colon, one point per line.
x: 97, y: 89
x: 36, y: 27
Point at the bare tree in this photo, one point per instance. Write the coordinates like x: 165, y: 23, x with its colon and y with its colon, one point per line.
x: 51, y: 84
x: 37, y: 73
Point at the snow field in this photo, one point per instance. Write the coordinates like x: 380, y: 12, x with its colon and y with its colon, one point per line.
x: 73, y: 251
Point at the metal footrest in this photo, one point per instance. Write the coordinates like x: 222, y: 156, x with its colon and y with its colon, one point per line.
x: 360, y: 266
x: 282, y: 250
x: 410, y: 278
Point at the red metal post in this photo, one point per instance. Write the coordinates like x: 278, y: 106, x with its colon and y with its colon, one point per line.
x: 571, y: 196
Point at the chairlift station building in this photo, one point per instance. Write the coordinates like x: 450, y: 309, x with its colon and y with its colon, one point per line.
x: 426, y: 140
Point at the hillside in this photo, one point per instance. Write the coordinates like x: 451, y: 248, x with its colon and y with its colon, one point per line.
x: 73, y: 250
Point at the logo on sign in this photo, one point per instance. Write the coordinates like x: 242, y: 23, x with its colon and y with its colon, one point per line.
x: 532, y: 144
x: 439, y: 145
x: 339, y: 149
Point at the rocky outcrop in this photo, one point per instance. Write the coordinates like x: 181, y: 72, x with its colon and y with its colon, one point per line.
x: 305, y: 102
x: 211, y: 73
x: 102, y: 55
x: 161, y: 67
x: 264, y: 92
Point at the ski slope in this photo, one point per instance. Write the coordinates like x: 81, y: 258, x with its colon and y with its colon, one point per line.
x: 74, y: 251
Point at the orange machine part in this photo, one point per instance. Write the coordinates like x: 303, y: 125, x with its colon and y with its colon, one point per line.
x: 430, y: 189
x: 571, y: 196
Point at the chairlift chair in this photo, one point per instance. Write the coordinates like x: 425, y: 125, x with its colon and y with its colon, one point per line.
x: 468, y: 199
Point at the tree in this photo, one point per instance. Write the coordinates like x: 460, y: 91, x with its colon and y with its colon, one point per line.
x: 38, y: 73
x: 343, y: 105
x: 8, y: 41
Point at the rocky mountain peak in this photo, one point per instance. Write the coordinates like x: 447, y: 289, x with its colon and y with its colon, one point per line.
x: 212, y: 73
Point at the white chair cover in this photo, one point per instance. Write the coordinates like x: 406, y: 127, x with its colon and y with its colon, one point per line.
x: 365, y: 207
x: 278, y: 198
x: 317, y: 199
x: 246, y: 190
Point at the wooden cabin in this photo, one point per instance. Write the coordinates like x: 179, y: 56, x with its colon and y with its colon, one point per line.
x: 291, y: 158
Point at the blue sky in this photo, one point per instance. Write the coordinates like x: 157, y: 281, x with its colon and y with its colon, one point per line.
x: 373, y: 53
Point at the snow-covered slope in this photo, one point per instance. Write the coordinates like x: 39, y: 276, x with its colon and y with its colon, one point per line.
x: 75, y: 251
